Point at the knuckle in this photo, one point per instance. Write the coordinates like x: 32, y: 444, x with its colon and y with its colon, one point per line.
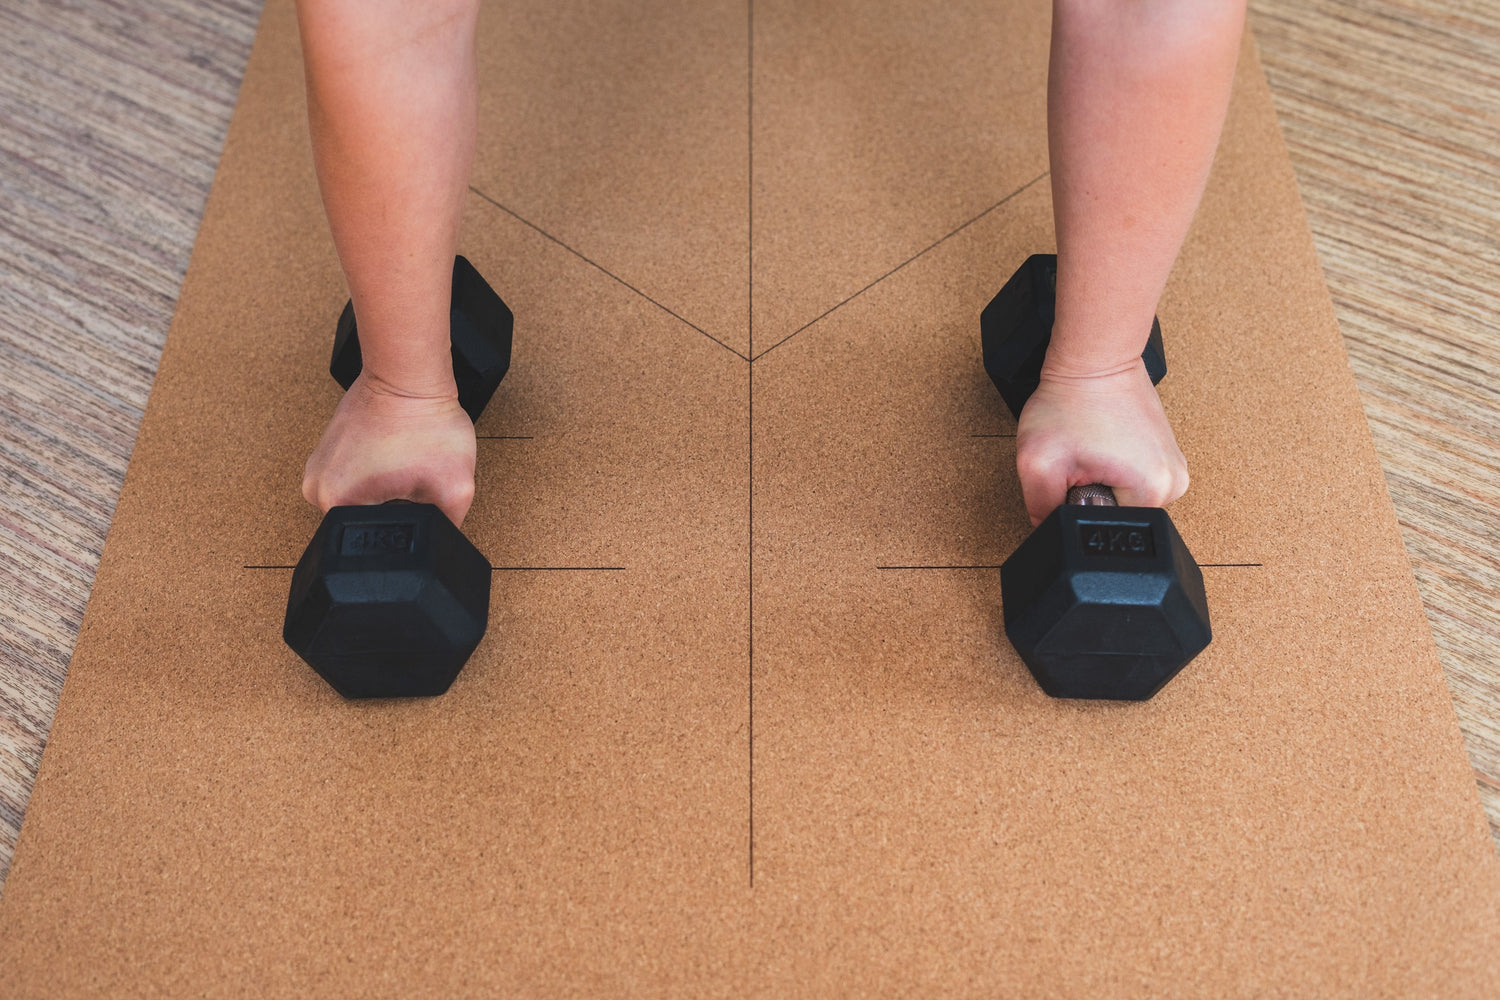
x: 1037, y: 461
x: 1162, y: 492
x: 462, y: 492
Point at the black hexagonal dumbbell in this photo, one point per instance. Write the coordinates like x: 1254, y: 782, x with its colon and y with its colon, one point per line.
x: 389, y: 600
x: 480, y: 329
x: 1101, y: 601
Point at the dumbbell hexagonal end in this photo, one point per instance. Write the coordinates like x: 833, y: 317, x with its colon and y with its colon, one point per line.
x: 388, y: 601
x: 347, y: 362
x: 1016, y: 327
x: 1105, y: 602
x: 480, y: 328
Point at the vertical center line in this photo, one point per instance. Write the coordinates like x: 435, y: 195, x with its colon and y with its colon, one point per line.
x: 750, y: 372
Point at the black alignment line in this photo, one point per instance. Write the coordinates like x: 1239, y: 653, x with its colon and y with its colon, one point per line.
x: 938, y: 567
x: 750, y: 177
x: 1200, y: 566
x: 991, y: 435
x: 502, y: 437
x: 498, y: 569
x: 606, y: 271
x: 751, y: 669
x: 750, y: 376
x: 933, y: 246
x: 556, y: 569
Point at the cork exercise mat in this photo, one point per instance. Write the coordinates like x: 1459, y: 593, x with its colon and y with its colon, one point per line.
x: 745, y: 721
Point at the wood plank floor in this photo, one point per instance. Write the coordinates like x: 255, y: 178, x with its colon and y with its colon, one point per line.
x: 112, y: 114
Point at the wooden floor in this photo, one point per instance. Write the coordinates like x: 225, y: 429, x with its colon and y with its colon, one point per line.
x: 112, y: 114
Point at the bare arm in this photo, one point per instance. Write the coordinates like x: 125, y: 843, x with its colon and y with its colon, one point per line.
x: 391, y: 107
x: 1136, y: 100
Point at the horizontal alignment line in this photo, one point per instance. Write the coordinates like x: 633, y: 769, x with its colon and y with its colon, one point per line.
x: 607, y: 272
x: 502, y: 437
x: 1199, y: 565
x: 557, y: 569
x: 991, y: 435
x: 937, y: 567
x: 511, y: 569
x: 932, y: 246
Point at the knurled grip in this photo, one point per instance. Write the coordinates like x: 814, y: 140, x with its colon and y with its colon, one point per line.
x: 1093, y: 495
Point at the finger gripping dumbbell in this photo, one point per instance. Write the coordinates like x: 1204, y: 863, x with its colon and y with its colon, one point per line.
x: 1101, y: 601
x: 390, y: 600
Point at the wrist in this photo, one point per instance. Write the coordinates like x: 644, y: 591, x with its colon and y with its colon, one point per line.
x: 1103, y: 334
x: 1068, y: 370
x: 1087, y: 351
x: 409, y: 385
x: 405, y: 351
x: 417, y: 363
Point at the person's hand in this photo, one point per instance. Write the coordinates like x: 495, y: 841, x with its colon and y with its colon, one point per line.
x: 1104, y: 428
x: 382, y: 445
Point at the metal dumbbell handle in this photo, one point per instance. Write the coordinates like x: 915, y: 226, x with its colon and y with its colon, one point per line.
x: 1093, y: 495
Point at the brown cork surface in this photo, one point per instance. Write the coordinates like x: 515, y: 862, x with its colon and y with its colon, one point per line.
x: 579, y: 815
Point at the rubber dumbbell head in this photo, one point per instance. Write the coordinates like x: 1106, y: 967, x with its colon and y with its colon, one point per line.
x: 1017, y: 325
x: 1104, y: 601
x: 388, y: 601
x: 480, y: 326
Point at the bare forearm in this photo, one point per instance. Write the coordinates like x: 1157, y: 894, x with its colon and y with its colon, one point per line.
x: 1136, y: 100
x: 391, y: 105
